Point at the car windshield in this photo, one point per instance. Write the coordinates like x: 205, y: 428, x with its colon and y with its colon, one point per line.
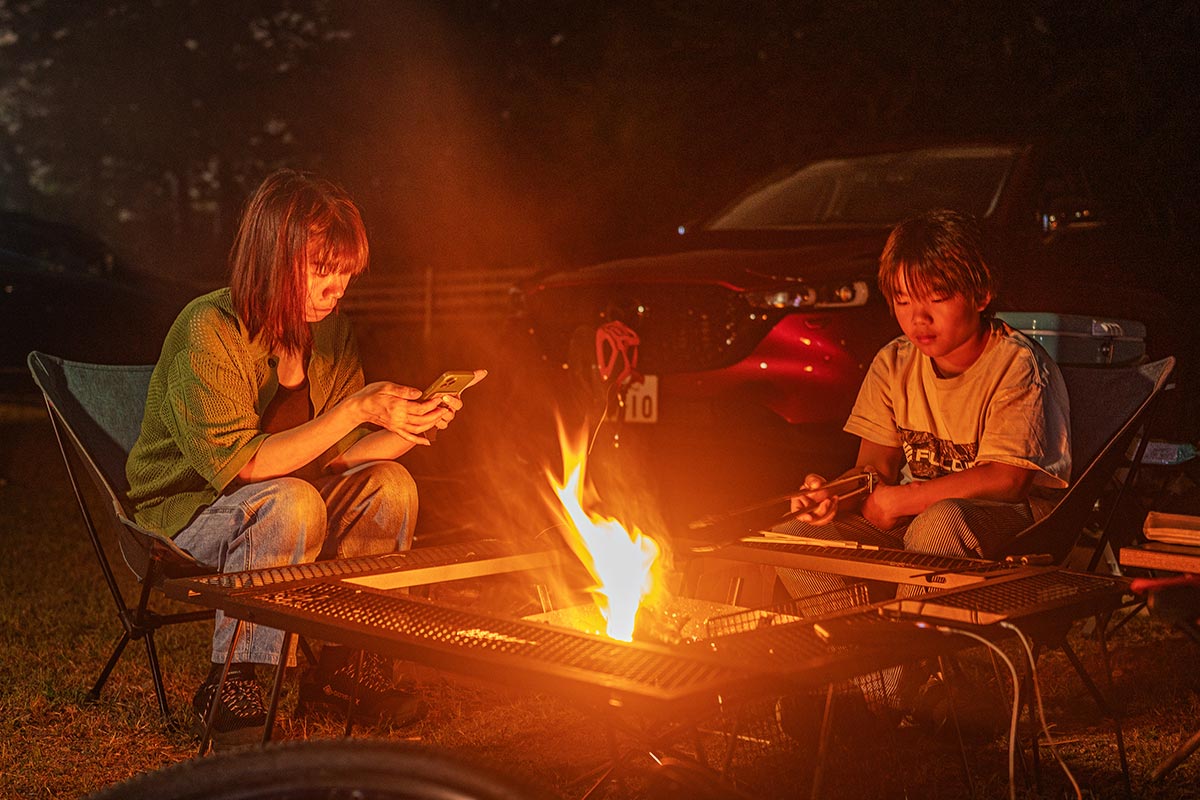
x: 875, y: 190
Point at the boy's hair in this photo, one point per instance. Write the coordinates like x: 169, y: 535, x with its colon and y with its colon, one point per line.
x: 937, y: 253
x: 289, y: 213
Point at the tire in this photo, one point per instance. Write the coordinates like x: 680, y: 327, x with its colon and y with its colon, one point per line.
x: 325, y: 770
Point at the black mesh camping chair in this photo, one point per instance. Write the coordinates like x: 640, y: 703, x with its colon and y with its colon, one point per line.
x: 1110, y: 414
x: 96, y: 413
x: 1111, y: 410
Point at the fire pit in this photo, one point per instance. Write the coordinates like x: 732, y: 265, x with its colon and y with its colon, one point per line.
x: 372, y: 603
x: 613, y: 633
x: 716, y: 672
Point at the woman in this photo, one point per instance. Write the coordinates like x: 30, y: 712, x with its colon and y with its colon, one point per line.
x: 260, y: 446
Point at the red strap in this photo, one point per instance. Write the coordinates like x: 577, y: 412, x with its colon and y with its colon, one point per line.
x: 617, y: 341
x: 1143, y: 585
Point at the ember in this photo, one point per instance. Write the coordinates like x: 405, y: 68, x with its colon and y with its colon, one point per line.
x: 624, y: 563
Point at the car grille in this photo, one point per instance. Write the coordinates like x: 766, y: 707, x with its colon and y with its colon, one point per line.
x: 682, y: 328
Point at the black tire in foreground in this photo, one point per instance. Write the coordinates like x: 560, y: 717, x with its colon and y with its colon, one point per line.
x: 323, y: 770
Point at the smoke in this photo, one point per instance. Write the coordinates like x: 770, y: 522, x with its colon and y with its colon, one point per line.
x: 428, y: 149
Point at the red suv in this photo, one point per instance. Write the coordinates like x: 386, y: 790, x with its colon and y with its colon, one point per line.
x: 754, y: 327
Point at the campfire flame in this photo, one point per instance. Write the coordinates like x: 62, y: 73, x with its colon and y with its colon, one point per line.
x: 622, y: 562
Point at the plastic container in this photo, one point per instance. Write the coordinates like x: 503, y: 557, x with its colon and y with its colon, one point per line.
x: 1079, y: 339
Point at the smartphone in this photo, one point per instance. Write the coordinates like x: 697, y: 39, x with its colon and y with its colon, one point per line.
x: 450, y: 382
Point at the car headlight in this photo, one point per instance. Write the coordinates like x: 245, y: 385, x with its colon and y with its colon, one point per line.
x: 838, y: 295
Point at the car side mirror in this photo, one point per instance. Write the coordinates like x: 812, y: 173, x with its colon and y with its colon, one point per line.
x: 1070, y: 214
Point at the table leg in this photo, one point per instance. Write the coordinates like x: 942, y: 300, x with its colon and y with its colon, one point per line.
x: 277, y: 685
x: 358, y: 661
x: 209, y: 717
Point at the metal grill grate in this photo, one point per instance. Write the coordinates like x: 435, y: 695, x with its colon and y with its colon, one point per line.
x: 781, y: 638
x: 818, y: 605
x: 417, y: 558
x: 897, y: 558
x: 299, y: 572
x: 1024, y: 594
x: 895, y: 566
x: 653, y: 672
x: 749, y: 653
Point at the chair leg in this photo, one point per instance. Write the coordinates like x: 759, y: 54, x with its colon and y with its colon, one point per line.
x: 1177, y: 758
x: 141, y: 624
x: 1137, y: 609
x: 1105, y: 708
x: 160, y: 691
x: 118, y: 649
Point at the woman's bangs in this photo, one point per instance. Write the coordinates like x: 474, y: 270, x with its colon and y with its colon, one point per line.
x: 342, y: 250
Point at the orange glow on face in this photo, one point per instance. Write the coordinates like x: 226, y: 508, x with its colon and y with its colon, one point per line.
x: 622, y: 562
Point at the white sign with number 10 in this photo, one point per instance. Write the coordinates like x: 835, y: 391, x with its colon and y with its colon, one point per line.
x: 641, y: 400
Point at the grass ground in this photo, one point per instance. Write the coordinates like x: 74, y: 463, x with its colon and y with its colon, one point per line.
x: 56, y: 628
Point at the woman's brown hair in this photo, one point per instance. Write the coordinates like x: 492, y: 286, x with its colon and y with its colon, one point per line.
x: 290, y: 215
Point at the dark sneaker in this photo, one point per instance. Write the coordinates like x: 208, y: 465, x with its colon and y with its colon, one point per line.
x: 241, y: 716
x: 931, y: 708
x: 377, y: 698
x: 799, y: 716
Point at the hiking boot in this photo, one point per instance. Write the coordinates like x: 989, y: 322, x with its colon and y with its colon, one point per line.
x: 377, y: 699
x: 241, y: 717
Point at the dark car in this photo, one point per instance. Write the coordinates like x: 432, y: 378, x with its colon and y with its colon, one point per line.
x: 756, y: 325
x: 63, y: 291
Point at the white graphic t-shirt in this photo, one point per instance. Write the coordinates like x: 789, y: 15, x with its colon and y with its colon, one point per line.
x: 1009, y: 407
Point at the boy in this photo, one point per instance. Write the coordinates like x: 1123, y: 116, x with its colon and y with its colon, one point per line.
x: 963, y: 419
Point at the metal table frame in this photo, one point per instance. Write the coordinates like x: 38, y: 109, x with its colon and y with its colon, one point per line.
x: 363, y: 603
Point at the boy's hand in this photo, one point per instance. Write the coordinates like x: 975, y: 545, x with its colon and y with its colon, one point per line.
x: 817, y: 508
x: 878, y: 507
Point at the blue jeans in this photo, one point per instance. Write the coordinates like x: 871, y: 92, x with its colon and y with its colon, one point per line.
x: 368, y: 510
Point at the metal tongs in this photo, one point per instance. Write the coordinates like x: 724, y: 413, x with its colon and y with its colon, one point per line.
x: 841, y: 489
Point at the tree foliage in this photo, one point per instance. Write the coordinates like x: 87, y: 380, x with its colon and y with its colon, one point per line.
x: 516, y: 130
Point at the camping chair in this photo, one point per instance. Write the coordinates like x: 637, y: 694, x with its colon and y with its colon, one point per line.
x: 96, y: 413
x: 1111, y: 409
x: 1110, y: 414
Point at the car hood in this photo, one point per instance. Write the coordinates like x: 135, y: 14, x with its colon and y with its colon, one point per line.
x: 739, y: 260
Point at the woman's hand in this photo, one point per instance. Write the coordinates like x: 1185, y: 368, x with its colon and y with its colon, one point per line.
x: 398, y: 409
x: 817, y: 508
x: 442, y: 413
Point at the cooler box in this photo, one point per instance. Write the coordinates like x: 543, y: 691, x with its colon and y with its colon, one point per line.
x: 1079, y: 339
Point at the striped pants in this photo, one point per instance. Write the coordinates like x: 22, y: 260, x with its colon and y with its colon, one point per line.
x: 960, y: 528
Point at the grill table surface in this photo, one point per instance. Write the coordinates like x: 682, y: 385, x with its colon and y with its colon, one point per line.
x: 867, y: 563
x: 355, y: 602
x: 362, y: 603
